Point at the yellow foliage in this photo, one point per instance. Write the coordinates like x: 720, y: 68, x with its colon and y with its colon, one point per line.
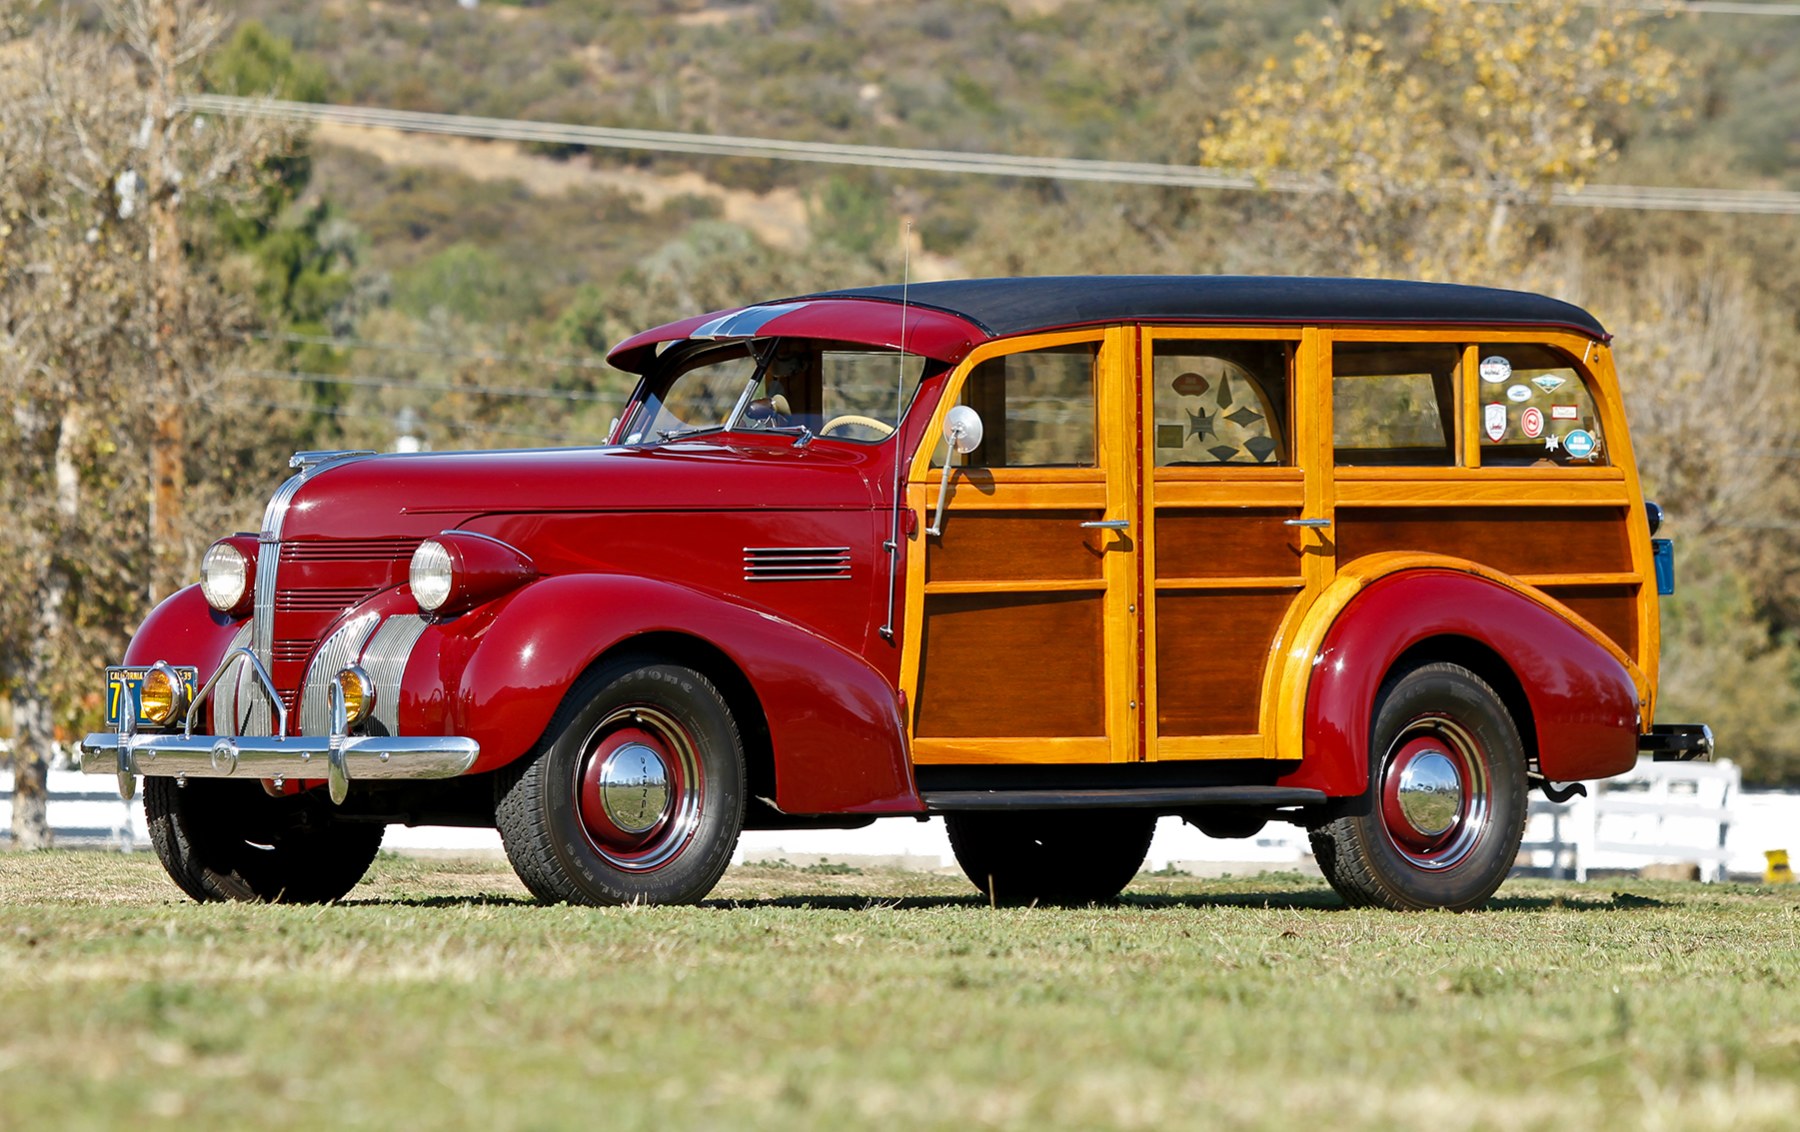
x: 1431, y: 136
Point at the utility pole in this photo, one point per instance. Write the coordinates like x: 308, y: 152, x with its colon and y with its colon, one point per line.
x: 162, y: 183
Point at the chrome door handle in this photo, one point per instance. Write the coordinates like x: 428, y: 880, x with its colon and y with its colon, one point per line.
x: 1108, y: 525
x: 1306, y: 522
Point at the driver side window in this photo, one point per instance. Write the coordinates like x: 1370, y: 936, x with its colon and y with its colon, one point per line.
x: 1037, y: 409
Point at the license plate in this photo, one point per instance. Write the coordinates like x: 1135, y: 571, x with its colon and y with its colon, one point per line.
x: 121, y: 682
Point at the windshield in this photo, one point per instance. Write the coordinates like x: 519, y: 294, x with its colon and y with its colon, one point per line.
x: 797, y: 386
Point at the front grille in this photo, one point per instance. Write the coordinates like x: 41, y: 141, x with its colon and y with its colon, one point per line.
x: 318, y: 580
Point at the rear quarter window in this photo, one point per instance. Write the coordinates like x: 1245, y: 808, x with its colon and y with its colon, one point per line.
x: 1536, y: 410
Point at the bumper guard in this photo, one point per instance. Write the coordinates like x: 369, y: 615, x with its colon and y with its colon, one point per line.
x: 1677, y: 742
x: 338, y: 757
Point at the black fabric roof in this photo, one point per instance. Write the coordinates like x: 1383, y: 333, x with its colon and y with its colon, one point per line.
x: 1014, y: 306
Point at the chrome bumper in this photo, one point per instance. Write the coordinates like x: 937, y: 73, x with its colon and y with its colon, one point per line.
x: 338, y: 757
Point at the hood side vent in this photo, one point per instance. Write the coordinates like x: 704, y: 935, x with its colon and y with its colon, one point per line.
x: 795, y: 563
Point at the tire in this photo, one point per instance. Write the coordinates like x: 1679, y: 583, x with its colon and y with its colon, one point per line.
x: 1051, y: 857
x: 226, y: 840
x: 1441, y: 822
x: 635, y: 796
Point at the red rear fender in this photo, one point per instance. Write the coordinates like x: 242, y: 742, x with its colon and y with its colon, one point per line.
x: 1581, y: 700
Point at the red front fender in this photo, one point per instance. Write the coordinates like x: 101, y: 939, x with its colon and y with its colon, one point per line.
x: 183, y: 629
x: 1583, y: 701
x: 498, y: 674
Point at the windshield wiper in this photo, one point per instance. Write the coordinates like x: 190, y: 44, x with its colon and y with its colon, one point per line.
x: 684, y: 433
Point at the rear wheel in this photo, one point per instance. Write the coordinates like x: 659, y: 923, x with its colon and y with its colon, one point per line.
x: 1441, y: 822
x: 1051, y: 856
x: 638, y: 796
x: 228, y: 840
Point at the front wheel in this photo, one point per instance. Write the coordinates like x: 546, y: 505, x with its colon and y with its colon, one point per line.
x: 1445, y: 811
x: 638, y: 796
x: 227, y: 840
x: 1051, y: 856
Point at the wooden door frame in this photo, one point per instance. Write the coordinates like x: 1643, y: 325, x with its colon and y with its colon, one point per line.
x: 1041, y: 488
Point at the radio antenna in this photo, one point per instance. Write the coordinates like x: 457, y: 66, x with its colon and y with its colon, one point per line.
x: 892, y: 545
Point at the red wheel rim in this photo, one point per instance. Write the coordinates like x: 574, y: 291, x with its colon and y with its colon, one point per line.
x: 638, y: 788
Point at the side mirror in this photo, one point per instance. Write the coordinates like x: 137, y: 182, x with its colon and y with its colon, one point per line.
x: 963, y: 432
x: 963, y: 429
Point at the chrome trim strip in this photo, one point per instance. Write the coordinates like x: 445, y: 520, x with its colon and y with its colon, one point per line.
x: 337, y: 652
x: 227, y: 696
x: 207, y: 756
x: 385, y: 659
x: 796, y: 563
x: 261, y: 673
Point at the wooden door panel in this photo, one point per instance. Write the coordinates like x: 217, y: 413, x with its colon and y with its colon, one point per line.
x: 1209, y: 671
x: 1517, y: 540
x: 1226, y: 542
x: 1012, y: 664
x: 1015, y: 546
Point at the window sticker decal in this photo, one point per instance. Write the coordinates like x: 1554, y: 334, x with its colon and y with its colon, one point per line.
x: 1565, y: 412
x: 1496, y: 420
x: 1549, y: 382
x: 1190, y: 385
x: 1579, y: 444
x: 1551, y: 444
x: 1531, y: 422
x: 1170, y: 436
x: 1200, y: 425
x: 1518, y: 393
x: 1496, y: 370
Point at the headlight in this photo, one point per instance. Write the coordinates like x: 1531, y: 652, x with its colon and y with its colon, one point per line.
x: 227, y: 575
x: 161, y: 697
x: 431, y: 575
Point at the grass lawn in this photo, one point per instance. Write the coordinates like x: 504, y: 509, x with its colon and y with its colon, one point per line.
x: 437, y: 996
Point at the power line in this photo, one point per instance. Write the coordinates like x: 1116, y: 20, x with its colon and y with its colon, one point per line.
x: 367, y: 382
x: 458, y: 426
x: 434, y: 351
x: 1639, y: 197
x: 1679, y: 7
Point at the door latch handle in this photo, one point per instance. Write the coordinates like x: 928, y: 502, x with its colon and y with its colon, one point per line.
x: 1306, y: 523
x: 1107, y: 525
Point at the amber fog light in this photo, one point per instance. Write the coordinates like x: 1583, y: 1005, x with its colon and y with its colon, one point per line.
x: 359, y: 694
x: 161, y: 697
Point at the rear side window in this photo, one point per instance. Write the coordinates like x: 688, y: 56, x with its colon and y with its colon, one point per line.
x: 1536, y: 411
x: 1221, y: 402
x: 1394, y: 404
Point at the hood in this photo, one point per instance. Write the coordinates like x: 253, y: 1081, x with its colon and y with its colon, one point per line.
x: 421, y: 494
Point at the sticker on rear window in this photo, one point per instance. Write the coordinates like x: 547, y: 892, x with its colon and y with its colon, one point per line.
x: 1495, y: 370
x: 1496, y: 421
x: 1565, y: 412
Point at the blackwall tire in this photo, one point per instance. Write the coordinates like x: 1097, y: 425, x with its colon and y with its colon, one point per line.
x: 1441, y: 822
x: 636, y: 794
x: 1051, y: 856
x: 227, y: 840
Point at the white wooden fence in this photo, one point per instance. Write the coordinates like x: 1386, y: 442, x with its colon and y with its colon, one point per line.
x: 1660, y: 812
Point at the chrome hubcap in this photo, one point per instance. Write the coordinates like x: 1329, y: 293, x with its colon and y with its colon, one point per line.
x: 634, y: 787
x: 1434, y: 793
x: 1430, y: 793
x: 638, y: 789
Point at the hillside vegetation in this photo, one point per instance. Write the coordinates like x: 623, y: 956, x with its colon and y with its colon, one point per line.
x: 461, y: 294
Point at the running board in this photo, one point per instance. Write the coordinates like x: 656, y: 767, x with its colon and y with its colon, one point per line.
x: 1170, y: 799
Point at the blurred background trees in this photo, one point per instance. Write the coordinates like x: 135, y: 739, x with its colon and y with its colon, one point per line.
x: 363, y: 288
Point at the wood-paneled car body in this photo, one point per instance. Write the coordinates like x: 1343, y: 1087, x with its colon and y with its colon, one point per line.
x: 1051, y: 557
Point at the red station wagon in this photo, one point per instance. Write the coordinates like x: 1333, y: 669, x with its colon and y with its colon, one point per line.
x: 1051, y: 557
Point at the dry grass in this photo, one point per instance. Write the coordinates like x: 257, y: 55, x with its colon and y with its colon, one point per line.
x: 439, y: 997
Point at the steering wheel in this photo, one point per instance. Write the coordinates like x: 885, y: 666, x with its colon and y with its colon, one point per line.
x: 882, y: 427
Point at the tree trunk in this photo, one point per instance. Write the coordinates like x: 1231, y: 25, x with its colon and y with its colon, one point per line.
x: 168, y: 481
x: 31, y: 768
